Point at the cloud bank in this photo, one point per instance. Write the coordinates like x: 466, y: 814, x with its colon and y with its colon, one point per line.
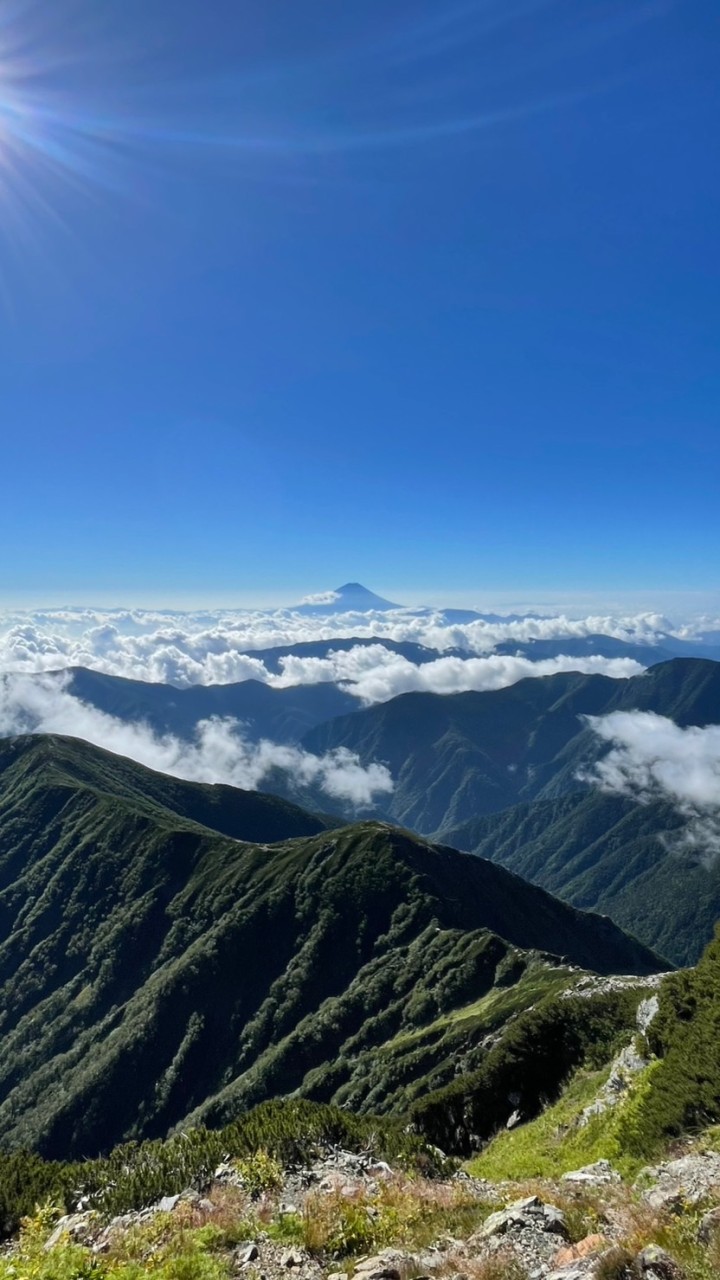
x: 220, y: 648
x: 375, y: 674
x: 219, y: 752
x: 652, y: 758
x: 225, y: 646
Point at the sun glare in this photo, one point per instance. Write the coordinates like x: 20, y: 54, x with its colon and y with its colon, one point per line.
x: 56, y: 142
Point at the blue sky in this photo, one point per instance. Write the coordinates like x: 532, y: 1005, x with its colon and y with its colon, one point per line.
x: 420, y: 294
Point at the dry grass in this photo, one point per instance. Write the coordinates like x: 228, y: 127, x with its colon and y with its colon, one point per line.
x: 402, y: 1212
x: 503, y: 1266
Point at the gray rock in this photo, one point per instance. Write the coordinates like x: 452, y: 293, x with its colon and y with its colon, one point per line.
x: 656, y: 1264
x: 625, y: 1067
x: 529, y: 1213
x: 291, y: 1259
x: 167, y: 1204
x: 709, y: 1226
x: 450, y: 1244
x: 689, y: 1180
x: 249, y: 1254
x: 598, y: 1174
x: 647, y: 1009
x: 190, y: 1196
x: 74, y: 1226
x: 388, y: 1265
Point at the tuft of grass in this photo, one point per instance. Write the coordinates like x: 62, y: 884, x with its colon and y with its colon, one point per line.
x: 165, y: 1247
x: 501, y: 1267
x: 618, y: 1264
x: 401, y: 1212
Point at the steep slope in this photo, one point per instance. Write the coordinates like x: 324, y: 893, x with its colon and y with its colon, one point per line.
x: 627, y: 1110
x: 459, y: 756
x: 39, y: 772
x: 607, y: 853
x: 152, y: 969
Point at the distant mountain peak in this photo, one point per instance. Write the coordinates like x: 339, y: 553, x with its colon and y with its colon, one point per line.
x: 352, y: 597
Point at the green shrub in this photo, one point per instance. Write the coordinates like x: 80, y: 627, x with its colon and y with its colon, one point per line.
x: 260, y: 1142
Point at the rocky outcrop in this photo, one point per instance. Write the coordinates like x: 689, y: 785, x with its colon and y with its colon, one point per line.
x: 688, y: 1181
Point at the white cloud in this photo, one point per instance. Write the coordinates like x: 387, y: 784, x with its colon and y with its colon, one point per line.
x: 376, y: 674
x: 652, y: 758
x: 220, y: 752
x: 321, y: 597
x: 203, y: 648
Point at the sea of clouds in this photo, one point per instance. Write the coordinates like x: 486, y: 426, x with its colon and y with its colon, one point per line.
x: 219, y: 647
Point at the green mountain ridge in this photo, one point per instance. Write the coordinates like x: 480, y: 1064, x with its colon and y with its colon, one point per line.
x: 282, y: 715
x: 500, y: 774
x: 154, y: 970
x: 608, y: 853
x: 455, y: 757
x: 230, y: 811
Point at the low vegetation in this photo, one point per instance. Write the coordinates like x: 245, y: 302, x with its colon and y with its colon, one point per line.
x: 137, y: 1174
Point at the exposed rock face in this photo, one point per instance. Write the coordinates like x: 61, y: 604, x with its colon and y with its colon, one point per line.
x: 528, y: 1230
x: 388, y: 1265
x: 689, y: 1180
x: 628, y: 1064
x: 709, y: 1226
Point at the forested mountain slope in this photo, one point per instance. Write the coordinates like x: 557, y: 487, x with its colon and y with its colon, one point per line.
x: 608, y: 853
x: 455, y: 757
x: 152, y: 969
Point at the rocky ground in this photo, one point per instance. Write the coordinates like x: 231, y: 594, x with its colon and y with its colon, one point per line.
x: 318, y: 1223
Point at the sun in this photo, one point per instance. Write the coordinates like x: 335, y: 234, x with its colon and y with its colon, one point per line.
x: 58, y: 144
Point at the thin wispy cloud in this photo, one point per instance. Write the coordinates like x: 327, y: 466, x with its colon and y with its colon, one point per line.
x: 652, y: 758
x: 219, y: 752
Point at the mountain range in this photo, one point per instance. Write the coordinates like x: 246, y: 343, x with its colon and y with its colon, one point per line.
x: 282, y: 715
x: 174, y: 952
x: 501, y: 773
x: 354, y: 598
x: 457, y: 756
